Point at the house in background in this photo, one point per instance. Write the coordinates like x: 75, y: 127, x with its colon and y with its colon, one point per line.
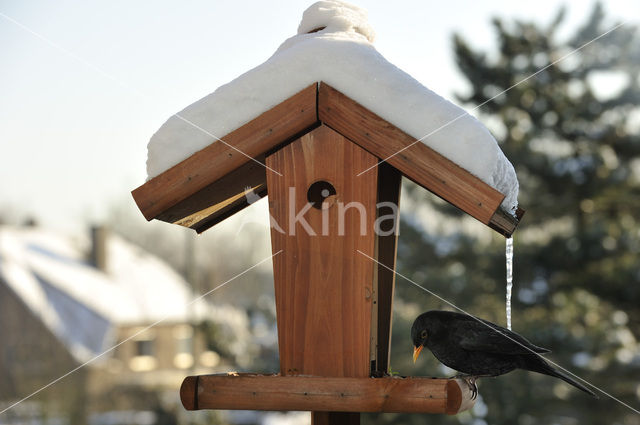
x: 120, y: 316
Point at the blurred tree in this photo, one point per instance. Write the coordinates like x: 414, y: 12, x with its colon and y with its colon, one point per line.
x: 570, y: 123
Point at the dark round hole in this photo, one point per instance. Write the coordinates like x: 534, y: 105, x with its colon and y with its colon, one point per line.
x: 318, y: 192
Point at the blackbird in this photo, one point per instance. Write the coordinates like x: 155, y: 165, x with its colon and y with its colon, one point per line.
x: 479, y: 348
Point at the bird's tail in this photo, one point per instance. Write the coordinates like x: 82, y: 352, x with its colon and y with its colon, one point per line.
x: 545, y: 368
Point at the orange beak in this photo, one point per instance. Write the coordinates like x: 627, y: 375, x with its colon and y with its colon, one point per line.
x: 416, y: 352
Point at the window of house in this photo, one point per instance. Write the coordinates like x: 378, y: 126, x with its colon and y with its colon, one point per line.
x: 183, y: 335
x: 144, y: 352
x: 144, y: 347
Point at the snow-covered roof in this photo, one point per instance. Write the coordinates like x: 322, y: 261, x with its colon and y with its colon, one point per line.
x: 343, y: 56
x: 82, y: 305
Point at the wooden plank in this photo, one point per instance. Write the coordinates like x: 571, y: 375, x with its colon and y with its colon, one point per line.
x: 276, y: 126
x: 389, y: 185
x: 322, y: 284
x: 417, y: 161
x: 229, y: 210
x: 326, y: 394
x: 233, y: 190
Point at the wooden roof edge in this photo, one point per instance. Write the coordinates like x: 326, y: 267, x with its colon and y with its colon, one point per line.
x: 289, y: 118
x: 504, y: 222
x: 414, y: 159
x: 165, y: 196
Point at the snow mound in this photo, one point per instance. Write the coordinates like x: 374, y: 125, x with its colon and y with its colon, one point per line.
x: 336, y: 16
x: 342, y: 55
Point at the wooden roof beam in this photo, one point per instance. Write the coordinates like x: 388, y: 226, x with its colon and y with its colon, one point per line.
x: 173, y: 195
x: 416, y: 161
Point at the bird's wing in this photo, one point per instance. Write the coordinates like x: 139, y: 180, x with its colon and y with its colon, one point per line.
x: 480, y: 335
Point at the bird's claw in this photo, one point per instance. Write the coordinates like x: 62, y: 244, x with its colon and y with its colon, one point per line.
x: 471, y: 382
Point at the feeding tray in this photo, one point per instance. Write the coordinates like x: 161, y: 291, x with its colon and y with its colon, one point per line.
x: 317, y: 393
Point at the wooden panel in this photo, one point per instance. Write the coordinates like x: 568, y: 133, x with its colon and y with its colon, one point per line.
x: 323, y: 286
x: 313, y: 393
x: 279, y: 124
x: 229, y: 210
x: 418, y: 162
x: 389, y: 183
x: 200, y: 208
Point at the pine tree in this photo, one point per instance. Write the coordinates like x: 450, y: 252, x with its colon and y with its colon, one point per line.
x: 566, y: 114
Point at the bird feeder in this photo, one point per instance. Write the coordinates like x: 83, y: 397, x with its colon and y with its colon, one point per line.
x: 334, y: 284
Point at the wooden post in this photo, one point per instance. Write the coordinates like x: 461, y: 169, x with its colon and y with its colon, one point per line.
x: 389, y: 184
x: 323, y: 285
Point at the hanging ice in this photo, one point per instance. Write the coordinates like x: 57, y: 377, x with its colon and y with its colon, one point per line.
x: 509, y: 255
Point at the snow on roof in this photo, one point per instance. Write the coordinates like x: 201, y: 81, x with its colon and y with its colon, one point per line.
x: 82, y: 305
x: 343, y: 56
x: 336, y: 16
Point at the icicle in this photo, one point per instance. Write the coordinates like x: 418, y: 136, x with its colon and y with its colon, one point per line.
x: 509, y: 255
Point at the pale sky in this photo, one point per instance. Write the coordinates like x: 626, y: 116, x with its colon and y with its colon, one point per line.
x: 84, y: 84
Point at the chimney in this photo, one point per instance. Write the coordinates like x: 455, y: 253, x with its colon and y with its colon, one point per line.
x: 98, y: 254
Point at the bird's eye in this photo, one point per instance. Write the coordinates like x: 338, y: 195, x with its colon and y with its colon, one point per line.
x: 423, y: 334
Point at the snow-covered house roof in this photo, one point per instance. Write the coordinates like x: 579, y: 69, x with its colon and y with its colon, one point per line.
x: 334, y: 45
x: 82, y: 305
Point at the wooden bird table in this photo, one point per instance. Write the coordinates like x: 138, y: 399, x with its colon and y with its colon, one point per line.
x: 334, y: 255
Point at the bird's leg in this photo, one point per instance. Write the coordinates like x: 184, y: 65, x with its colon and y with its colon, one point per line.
x: 471, y: 382
x: 460, y: 376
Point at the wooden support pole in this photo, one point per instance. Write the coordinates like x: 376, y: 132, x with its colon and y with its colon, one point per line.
x: 323, y: 283
x: 388, y: 219
x: 326, y: 394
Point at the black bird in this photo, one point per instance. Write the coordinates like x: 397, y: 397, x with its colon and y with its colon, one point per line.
x: 479, y: 348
